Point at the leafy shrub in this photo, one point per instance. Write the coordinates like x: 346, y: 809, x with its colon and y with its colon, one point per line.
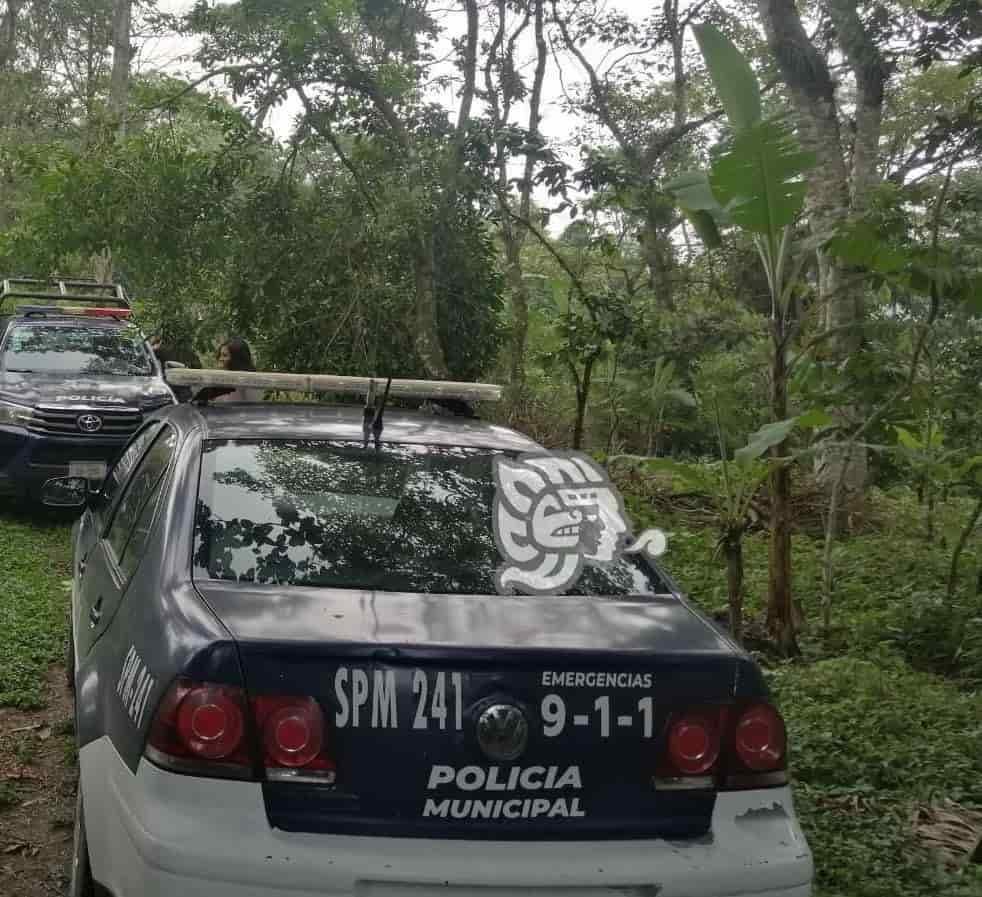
x: 881, y: 728
x: 868, y: 740
x: 941, y: 637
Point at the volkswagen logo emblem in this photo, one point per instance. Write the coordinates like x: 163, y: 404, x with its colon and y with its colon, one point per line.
x: 89, y: 423
x: 502, y: 732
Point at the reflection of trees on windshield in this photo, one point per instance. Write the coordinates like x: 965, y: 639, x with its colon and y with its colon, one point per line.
x: 76, y: 350
x: 408, y: 519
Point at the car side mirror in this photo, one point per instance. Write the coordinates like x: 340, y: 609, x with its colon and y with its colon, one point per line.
x: 174, y: 365
x: 66, y: 492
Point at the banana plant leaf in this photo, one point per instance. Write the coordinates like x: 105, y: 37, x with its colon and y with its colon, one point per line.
x: 695, y: 197
x: 734, y: 79
x: 759, y: 179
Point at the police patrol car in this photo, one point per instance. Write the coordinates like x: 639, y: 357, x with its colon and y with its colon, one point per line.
x: 318, y: 655
x: 76, y: 379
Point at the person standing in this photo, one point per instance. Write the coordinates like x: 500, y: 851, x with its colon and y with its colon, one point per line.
x: 233, y: 355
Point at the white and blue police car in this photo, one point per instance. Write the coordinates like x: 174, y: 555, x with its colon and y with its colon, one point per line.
x: 316, y: 656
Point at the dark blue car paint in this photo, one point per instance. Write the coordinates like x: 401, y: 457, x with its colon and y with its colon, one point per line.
x: 159, y: 614
x: 23, y: 474
x: 448, y: 622
x: 292, y: 640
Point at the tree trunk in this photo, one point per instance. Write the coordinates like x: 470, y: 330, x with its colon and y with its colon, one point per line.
x: 578, y: 423
x: 514, y: 234
x: 871, y: 73
x: 520, y: 297
x: 8, y: 35
x: 122, y: 55
x: 733, y: 550
x: 427, y: 325
x: 582, y: 397
x: 614, y: 404
x: 960, y: 547
x: 812, y: 91
x: 659, y: 257
x: 781, y: 622
x: 519, y: 317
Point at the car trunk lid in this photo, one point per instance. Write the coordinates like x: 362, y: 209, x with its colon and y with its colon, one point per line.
x: 424, y: 697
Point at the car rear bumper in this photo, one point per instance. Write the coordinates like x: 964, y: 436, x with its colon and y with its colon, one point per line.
x: 157, y: 834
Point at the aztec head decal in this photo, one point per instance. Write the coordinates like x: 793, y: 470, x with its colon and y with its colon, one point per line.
x: 554, y: 513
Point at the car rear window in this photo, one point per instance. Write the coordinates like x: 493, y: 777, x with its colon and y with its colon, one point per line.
x: 408, y: 518
x: 76, y: 349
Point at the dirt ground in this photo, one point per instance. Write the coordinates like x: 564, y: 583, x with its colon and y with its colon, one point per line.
x: 37, y: 794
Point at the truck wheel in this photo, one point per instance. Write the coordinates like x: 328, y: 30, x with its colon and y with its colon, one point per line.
x: 80, y: 883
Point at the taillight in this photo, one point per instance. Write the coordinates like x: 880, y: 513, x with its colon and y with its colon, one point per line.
x: 204, y: 728
x: 760, y: 749
x: 693, y: 744
x: 294, y: 738
x: 201, y: 723
x: 210, y: 721
x: 724, y: 747
x: 691, y: 752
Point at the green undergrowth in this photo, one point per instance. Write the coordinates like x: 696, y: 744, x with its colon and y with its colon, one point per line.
x: 872, y: 740
x: 884, y: 712
x: 889, y: 584
x: 34, y: 565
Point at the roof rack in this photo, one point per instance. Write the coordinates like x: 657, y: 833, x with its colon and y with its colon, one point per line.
x: 64, y: 291
x: 352, y: 386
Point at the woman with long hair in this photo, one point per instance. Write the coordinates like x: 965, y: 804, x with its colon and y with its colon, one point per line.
x: 233, y: 355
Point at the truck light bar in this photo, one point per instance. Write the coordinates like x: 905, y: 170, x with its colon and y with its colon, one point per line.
x: 74, y: 310
x: 352, y: 386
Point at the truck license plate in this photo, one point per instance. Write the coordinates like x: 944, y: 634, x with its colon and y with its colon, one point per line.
x: 89, y: 470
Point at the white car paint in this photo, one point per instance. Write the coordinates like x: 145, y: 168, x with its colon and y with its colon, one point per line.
x: 159, y: 834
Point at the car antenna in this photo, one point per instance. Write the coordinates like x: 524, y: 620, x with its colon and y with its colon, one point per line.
x: 368, y: 415
x: 370, y: 412
x: 377, y: 422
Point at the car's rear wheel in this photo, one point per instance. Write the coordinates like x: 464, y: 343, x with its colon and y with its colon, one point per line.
x: 80, y: 882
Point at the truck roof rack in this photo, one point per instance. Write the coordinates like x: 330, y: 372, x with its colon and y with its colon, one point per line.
x: 58, y: 290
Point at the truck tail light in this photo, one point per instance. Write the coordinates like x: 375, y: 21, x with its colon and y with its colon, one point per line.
x: 724, y: 747
x: 209, y: 729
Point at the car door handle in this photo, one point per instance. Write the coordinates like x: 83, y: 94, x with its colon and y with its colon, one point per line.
x: 81, y: 567
x: 95, y: 613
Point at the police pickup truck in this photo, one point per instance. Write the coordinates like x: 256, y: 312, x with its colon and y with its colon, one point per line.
x: 76, y: 379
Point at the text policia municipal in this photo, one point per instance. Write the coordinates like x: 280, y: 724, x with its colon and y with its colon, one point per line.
x: 494, y: 779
